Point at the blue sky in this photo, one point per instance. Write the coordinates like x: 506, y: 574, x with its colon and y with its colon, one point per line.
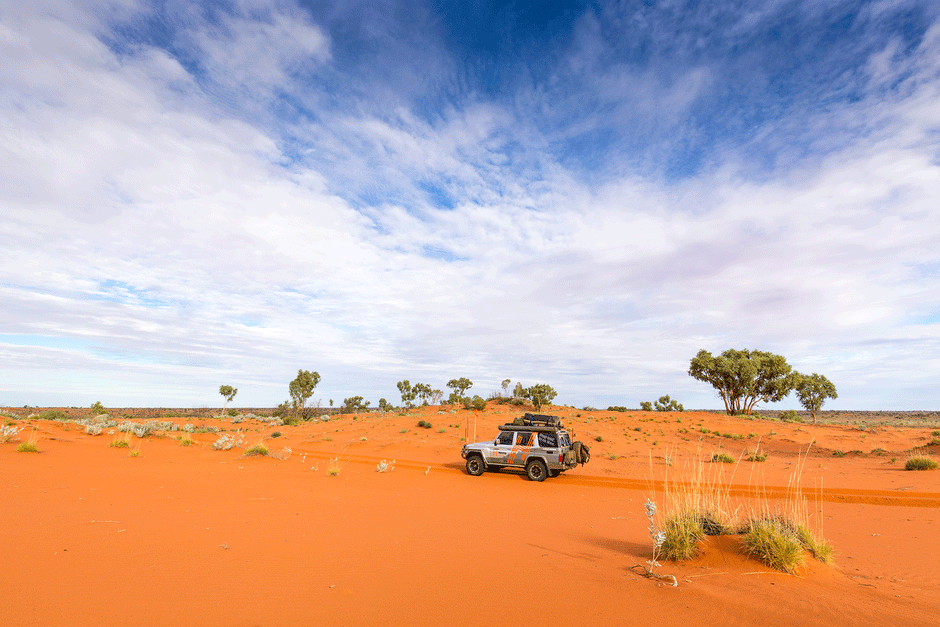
x: 580, y: 194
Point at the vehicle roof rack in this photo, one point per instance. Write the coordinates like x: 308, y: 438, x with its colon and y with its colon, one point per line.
x: 534, y: 422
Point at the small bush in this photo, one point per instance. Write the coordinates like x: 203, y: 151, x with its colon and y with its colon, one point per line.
x: 422, y: 423
x: 478, y: 403
x: 98, y: 408
x: 8, y: 431
x: 774, y: 544
x: 119, y: 443
x: 135, y: 452
x: 93, y: 429
x: 257, y: 449
x: 275, y: 434
x: 722, y: 458
x: 683, y: 535
x: 227, y: 441
x: 52, y: 414
x: 27, y: 447
x: 756, y: 456
x: 599, y: 439
x: 232, y: 412
x: 790, y: 415
x: 920, y: 463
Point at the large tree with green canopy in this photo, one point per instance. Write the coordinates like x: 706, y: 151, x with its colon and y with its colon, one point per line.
x: 745, y: 377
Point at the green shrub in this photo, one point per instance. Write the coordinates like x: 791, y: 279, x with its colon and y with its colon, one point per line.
x: 27, y: 447
x: 646, y: 406
x: 599, y: 439
x: 232, y: 412
x: 478, y: 403
x: 756, y: 457
x: 617, y: 408
x: 774, y: 544
x: 53, y: 414
x: 276, y: 434
x: 97, y: 408
x: 684, y: 533
x: 722, y: 458
x: 428, y: 425
x: 119, y: 443
x: 257, y: 449
x: 422, y: 423
x: 790, y: 415
x: 920, y: 463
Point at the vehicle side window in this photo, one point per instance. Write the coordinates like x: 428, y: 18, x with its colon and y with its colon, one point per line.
x: 548, y: 440
x: 564, y: 439
x: 505, y: 437
x: 523, y: 439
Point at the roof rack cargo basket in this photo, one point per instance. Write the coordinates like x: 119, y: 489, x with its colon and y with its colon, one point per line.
x: 538, y: 420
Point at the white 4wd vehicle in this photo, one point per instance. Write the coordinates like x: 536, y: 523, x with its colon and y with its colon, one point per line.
x: 536, y: 443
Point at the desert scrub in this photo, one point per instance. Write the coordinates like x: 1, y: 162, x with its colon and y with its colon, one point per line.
x: 257, y: 449
x: 385, y: 466
x: 185, y: 440
x: 275, y: 434
x: 27, y: 447
x: 920, y: 463
x: 683, y: 534
x: 119, y: 443
x: 722, y: 458
x: 93, y: 429
x: 756, y: 456
x: 7, y: 432
x: 774, y: 543
x: 227, y: 441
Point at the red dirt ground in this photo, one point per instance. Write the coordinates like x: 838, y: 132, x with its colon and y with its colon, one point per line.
x: 194, y: 536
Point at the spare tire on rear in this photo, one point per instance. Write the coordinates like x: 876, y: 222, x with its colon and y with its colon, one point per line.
x: 582, y: 452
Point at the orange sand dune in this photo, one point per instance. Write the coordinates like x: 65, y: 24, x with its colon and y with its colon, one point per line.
x: 194, y: 536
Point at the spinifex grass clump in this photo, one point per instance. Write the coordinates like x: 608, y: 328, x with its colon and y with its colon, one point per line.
x: 920, y: 463
x: 774, y: 543
x: 257, y: 449
x: 779, y: 534
x: 694, y: 507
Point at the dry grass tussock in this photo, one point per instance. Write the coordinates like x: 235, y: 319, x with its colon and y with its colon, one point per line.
x: 778, y: 532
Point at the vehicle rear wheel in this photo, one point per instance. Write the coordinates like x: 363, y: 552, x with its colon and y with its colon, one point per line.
x: 535, y: 470
x: 554, y: 473
x: 475, y: 465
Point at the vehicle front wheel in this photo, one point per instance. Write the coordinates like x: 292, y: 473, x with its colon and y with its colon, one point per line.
x: 475, y: 465
x: 535, y: 470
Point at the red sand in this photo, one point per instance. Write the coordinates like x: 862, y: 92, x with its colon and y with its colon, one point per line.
x: 193, y: 536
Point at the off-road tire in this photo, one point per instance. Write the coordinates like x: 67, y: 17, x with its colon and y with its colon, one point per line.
x: 475, y: 465
x: 536, y: 470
